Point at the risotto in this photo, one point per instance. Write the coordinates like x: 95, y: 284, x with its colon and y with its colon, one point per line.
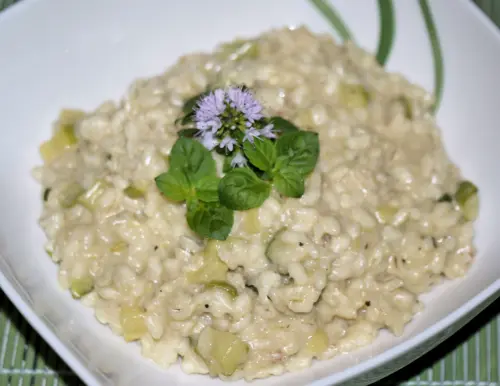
x: 383, y: 217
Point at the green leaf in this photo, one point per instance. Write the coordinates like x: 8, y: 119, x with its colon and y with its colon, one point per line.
x: 188, y: 118
x: 210, y: 219
x: 289, y: 182
x: 191, y: 103
x: 226, y: 167
x: 187, y: 133
x: 185, y: 119
x: 207, y: 189
x: 174, y: 185
x: 241, y: 189
x: 299, y: 150
x: 282, y: 125
x: 261, y: 154
x: 192, y: 158
x: 281, y: 162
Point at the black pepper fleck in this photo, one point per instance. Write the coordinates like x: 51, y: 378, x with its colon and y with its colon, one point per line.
x: 368, y: 303
x: 366, y: 246
x: 301, y: 244
x: 156, y: 247
x: 206, y: 306
x: 252, y: 287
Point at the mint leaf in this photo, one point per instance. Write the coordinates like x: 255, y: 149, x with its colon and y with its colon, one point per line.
x: 241, y: 189
x: 174, y: 185
x: 281, y: 162
x: 299, y: 150
x: 191, y: 103
x: 226, y: 166
x: 192, y: 158
x: 187, y: 133
x: 210, y: 219
x: 206, y: 189
x: 289, y: 182
x: 261, y: 154
x: 188, y: 109
x: 185, y: 119
x: 188, y: 118
x: 282, y: 125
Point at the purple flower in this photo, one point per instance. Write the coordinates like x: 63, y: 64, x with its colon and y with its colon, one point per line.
x: 228, y: 143
x: 267, y: 131
x: 207, y: 115
x: 238, y: 160
x: 250, y: 134
x: 208, y: 140
x: 243, y: 101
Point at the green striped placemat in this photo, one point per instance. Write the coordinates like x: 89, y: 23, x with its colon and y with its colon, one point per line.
x: 469, y: 358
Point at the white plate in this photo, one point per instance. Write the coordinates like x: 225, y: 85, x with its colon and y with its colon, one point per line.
x: 56, y: 53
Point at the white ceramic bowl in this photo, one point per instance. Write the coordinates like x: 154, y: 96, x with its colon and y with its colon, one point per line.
x: 56, y: 53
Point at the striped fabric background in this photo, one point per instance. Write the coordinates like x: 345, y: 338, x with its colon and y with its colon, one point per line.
x: 470, y: 358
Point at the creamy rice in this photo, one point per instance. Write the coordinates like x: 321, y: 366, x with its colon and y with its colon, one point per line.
x: 316, y: 276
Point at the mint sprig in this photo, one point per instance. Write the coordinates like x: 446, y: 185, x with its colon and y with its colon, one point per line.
x: 211, y: 201
x: 259, y: 153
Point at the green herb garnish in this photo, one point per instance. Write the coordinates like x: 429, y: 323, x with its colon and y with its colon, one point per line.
x: 259, y: 153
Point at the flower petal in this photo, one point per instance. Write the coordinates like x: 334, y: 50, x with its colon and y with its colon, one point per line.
x: 228, y: 143
x: 208, y: 140
x: 210, y: 107
x: 250, y: 134
x: 238, y: 160
x: 244, y: 101
x: 267, y: 131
